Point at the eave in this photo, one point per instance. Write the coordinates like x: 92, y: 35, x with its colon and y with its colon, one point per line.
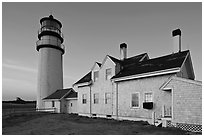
x: 166, y: 88
x: 149, y: 74
x: 83, y: 84
x: 71, y: 98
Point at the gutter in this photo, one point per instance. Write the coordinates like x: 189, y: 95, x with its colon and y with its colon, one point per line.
x: 83, y: 84
x: 155, y: 73
x: 90, y: 100
x: 51, y: 99
x: 116, y: 100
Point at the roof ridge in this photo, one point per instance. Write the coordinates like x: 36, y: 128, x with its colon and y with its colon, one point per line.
x: 173, y: 54
x: 169, y: 55
x: 99, y: 64
x: 137, y: 55
x: 114, y: 59
x: 66, y: 93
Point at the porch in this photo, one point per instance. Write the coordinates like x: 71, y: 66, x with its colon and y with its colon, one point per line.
x: 166, y: 116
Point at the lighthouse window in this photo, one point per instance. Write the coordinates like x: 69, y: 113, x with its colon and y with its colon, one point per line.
x: 51, y: 25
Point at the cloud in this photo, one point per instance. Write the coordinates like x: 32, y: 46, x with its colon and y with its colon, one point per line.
x: 18, y: 67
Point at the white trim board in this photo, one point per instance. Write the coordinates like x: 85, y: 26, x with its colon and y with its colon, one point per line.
x: 155, y: 73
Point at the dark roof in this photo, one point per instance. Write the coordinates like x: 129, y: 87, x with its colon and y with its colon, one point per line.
x: 114, y: 59
x: 86, y: 78
x: 155, y: 64
x: 130, y: 60
x: 126, y: 62
x: 133, y: 60
x: 72, y: 94
x: 99, y: 64
x: 59, y: 93
x: 52, y: 19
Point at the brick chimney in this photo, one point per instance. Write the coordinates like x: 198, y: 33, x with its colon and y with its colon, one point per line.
x: 123, y: 51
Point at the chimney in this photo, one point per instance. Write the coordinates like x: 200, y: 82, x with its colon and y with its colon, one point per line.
x: 123, y: 51
x: 176, y: 40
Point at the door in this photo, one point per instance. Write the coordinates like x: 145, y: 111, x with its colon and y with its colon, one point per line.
x: 69, y: 106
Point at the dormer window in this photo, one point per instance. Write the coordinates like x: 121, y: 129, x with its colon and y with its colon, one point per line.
x: 108, y: 73
x: 96, y: 76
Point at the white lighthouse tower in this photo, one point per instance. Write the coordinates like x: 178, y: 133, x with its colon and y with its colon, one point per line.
x: 51, y: 49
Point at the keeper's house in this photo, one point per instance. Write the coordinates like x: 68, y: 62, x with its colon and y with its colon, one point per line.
x: 160, y: 90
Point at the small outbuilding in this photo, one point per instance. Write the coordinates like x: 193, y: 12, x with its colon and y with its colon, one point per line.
x: 186, y: 103
x: 59, y: 100
x: 71, y: 103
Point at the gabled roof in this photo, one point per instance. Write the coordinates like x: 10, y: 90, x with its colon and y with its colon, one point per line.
x: 59, y: 94
x: 135, y: 59
x: 165, y: 85
x: 99, y: 64
x: 126, y: 62
x: 114, y: 59
x: 72, y: 94
x: 130, y: 60
x: 86, y: 78
x: 95, y: 65
x: 156, y: 64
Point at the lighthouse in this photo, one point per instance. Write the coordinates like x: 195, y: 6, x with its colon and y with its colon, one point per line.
x: 50, y: 67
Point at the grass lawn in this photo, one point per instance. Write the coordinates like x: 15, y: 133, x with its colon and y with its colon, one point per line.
x: 63, y: 124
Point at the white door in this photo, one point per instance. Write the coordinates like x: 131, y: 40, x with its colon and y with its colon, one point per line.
x: 69, y: 106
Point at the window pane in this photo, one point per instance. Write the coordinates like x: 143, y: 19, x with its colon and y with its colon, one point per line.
x: 53, y: 104
x: 108, y: 73
x: 107, y: 98
x: 148, y: 97
x: 96, y: 98
x: 135, y: 100
x: 96, y: 75
x: 84, y: 98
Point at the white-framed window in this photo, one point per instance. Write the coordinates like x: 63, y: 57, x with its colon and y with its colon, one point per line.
x: 96, y: 76
x: 107, y: 98
x: 53, y: 103
x: 96, y: 98
x: 108, y: 73
x: 135, y: 100
x: 148, y: 97
x: 84, y: 98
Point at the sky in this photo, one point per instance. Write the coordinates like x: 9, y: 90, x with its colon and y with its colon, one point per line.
x: 92, y: 31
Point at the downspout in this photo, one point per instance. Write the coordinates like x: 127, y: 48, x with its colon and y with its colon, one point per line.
x: 90, y: 100
x: 116, y: 100
x: 112, y: 98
